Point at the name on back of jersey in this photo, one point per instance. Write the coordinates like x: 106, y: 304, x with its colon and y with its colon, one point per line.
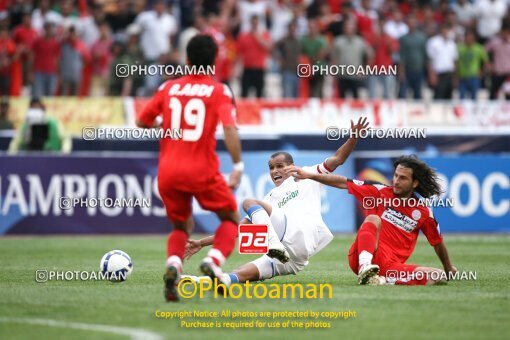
x: 191, y: 90
x: 399, y: 220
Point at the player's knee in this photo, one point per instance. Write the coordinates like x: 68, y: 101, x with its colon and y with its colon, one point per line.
x: 228, y: 215
x: 298, y: 267
x: 292, y: 268
x: 248, y: 203
x: 376, y: 220
x: 181, y: 225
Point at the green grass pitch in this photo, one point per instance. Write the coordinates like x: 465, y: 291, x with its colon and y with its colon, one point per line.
x: 57, y: 310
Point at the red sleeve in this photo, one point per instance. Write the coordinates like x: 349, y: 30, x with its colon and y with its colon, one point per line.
x: 152, y: 109
x: 84, y: 51
x: 239, y: 44
x: 35, y: 45
x: 431, y: 231
x: 360, y: 189
x: 57, y: 49
x: 16, y: 35
x: 226, y: 106
x: 267, y: 37
x: 11, y: 47
x: 395, y: 45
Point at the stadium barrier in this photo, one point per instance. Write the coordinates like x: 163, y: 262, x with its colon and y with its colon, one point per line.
x: 31, y: 197
x: 303, y: 116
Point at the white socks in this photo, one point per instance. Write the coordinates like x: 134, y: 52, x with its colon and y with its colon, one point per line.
x: 365, y: 258
x: 174, y: 261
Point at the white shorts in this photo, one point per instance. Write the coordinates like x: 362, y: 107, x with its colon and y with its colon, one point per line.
x: 301, y: 239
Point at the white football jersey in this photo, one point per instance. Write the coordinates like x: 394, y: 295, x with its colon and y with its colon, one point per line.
x: 300, y: 202
x: 302, y: 197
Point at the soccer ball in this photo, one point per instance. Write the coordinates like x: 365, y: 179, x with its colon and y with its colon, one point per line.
x: 116, y: 265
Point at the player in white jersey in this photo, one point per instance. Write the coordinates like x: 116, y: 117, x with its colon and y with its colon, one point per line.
x: 292, y: 210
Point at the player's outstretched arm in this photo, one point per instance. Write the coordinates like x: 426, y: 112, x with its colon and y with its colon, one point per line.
x: 233, y: 144
x: 194, y: 246
x: 345, y: 150
x: 442, y: 253
x: 331, y: 180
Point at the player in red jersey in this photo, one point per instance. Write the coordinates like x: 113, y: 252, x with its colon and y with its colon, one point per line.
x: 189, y: 167
x: 388, y: 235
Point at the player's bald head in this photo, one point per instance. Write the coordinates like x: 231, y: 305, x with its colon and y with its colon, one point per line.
x: 287, y: 157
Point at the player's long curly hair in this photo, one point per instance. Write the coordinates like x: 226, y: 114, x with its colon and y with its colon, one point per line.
x: 428, y: 181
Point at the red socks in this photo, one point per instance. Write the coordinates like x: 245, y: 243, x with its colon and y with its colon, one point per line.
x: 176, y: 243
x: 224, y: 241
x: 367, y: 238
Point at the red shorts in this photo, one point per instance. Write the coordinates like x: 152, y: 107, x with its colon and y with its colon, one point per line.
x: 216, y: 196
x: 387, y: 264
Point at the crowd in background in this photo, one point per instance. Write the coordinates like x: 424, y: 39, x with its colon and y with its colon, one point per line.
x: 65, y: 47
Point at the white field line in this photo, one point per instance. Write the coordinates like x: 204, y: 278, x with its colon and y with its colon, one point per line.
x: 132, y: 333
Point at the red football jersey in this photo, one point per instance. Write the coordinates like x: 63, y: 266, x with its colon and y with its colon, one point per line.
x: 193, y: 105
x: 400, y: 224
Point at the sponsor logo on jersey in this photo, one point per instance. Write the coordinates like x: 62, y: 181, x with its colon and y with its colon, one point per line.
x: 290, y: 195
x: 416, y: 214
x: 399, y: 220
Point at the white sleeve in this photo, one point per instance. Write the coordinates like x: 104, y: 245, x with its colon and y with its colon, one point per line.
x: 320, y: 168
x: 430, y: 48
x: 140, y: 20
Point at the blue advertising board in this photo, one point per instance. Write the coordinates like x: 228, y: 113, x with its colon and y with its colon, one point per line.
x: 477, y: 185
x: 31, y: 188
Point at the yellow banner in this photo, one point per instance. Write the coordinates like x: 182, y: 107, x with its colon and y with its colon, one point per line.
x: 74, y: 113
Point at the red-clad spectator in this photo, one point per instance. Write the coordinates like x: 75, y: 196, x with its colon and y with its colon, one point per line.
x: 74, y: 55
x: 384, y: 48
x: 253, y: 47
x: 335, y: 5
x: 213, y: 28
x: 406, y: 7
x: 4, y: 5
x: 45, y: 56
x: 324, y: 20
x: 366, y: 19
x: 441, y: 11
x: 8, y: 55
x: 24, y: 36
x: 101, y: 59
x: 336, y: 26
x: 427, y: 19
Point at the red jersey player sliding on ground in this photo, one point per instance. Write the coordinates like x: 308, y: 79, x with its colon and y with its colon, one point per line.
x: 189, y: 167
x: 389, y: 232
